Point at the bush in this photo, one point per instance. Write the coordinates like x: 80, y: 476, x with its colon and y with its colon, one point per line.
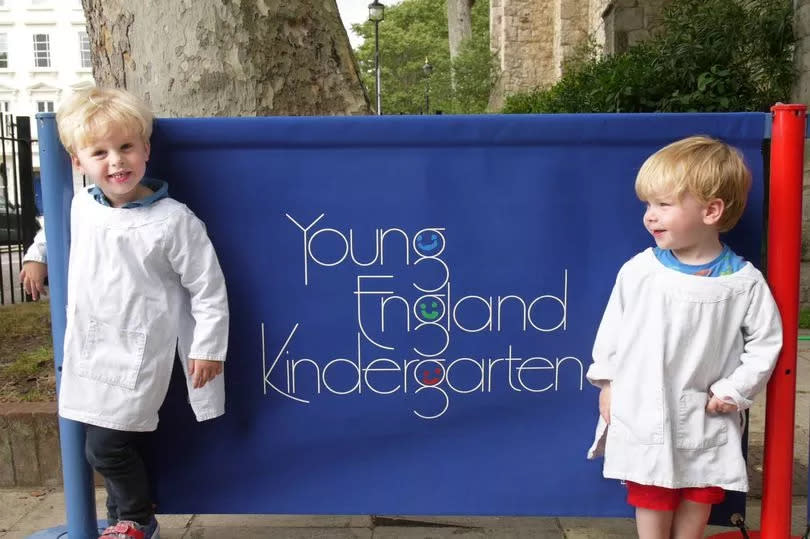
x: 709, y: 56
x: 804, y: 319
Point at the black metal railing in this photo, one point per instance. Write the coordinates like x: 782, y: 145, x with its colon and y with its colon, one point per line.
x: 17, y: 205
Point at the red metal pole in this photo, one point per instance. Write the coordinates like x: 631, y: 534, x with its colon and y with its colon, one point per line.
x: 784, y: 253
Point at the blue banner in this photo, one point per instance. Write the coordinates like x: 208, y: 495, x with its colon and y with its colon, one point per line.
x: 413, y: 302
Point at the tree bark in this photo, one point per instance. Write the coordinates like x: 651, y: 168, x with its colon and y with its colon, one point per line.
x: 459, y: 23
x: 227, y: 57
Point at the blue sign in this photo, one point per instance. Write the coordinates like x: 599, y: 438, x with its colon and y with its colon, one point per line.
x: 414, y: 302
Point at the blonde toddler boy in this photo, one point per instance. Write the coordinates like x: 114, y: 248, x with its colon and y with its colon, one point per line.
x: 689, y: 336
x: 143, y: 280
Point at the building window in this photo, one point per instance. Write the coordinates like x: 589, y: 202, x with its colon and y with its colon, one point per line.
x: 42, y: 50
x: 84, y: 50
x: 5, y: 106
x: 44, y: 106
x: 3, y: 50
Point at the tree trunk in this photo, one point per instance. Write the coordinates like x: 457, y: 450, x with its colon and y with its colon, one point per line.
x: 459, y: 23
x: 227, y: 57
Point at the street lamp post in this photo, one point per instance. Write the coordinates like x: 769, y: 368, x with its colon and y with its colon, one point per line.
x: 376, y: 13
x: 427, y: 69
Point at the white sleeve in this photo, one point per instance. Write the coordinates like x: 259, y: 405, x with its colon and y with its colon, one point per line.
x: 605, y: 345
x: 38, y: 251
x: 762, y: 337
x: 192, y: 256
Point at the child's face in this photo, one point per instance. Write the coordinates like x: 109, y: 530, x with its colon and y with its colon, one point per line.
x: 684, y: 225
x: 116, y: 163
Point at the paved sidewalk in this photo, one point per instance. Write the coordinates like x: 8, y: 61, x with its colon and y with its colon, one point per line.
x: 23, y: 512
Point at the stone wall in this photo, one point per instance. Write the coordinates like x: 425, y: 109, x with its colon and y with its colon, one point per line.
x: 522, y: 37
x: 801, y: 94
x: 533, y: 39
x: 571, y: 32
x: 596, y: 20
x: 626, y: 22
x: 29, y: 445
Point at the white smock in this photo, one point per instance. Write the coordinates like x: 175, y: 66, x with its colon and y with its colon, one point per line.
x: 666, y: 343
x: 141, y: 282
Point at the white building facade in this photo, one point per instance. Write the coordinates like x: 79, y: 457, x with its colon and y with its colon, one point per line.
x: 44, y: 56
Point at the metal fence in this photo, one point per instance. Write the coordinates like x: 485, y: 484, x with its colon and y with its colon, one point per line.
x: 17, y: 202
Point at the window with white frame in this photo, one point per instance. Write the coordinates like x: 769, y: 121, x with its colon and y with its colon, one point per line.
x: 3, y: 50
x: 42, y: 50
x: 44, y: 106
x: 84, y: 50
x: 5, y: 106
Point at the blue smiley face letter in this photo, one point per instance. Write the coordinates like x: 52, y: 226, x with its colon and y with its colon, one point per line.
x: 428, y: 247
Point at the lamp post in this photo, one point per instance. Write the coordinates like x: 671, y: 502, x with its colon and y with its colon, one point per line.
x: 376, y: 13
x: 427, y: 69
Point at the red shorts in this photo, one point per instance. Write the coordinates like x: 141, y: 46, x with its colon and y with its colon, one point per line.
x: 668, y: 499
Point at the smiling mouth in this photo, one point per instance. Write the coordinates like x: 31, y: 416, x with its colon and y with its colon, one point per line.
x: 119, y: 177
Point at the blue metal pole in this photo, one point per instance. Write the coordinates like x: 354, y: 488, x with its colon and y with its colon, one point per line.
x: 57, y: 193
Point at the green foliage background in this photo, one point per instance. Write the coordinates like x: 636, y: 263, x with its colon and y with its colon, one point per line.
x: 710, y: 55
x: 417, y: 29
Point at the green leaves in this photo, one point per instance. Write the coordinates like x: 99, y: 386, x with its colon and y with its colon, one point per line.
x: 417, y: 29
x: 711, y: 55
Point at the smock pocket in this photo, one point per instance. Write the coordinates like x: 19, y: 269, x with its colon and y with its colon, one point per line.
x: 696, y: 428
x: 639, y: 423
x: 112, y: 355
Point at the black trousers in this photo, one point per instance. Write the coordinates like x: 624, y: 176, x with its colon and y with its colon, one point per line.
x: 115, y: 454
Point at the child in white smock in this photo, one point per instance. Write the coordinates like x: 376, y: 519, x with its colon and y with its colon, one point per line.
x: 143, y: 281
x: 689, y: 336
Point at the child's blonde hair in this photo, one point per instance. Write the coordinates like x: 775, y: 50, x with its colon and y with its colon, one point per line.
x: 702, y: 166
x: 86, y: 116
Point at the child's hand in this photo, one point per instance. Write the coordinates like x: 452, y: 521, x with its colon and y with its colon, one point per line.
x: 718, y: 406
x: 32, y: 278
x: 604, y: 402
x: 203, y: 371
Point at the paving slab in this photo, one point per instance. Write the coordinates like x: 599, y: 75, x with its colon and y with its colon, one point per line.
x: 592, y: 528
x: 753, y: 512
x: 277, y: 533
x: 535, y: 523
x: 464, y: 533
x: 280, y: 521
x: 610, y: 526
x: 169, y: 533
x: 521, y: 533
x: 49, y: 512
x: 14, y: 535
x: 590, y: 533
x: 14, y: 505
x: 175, y: 521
